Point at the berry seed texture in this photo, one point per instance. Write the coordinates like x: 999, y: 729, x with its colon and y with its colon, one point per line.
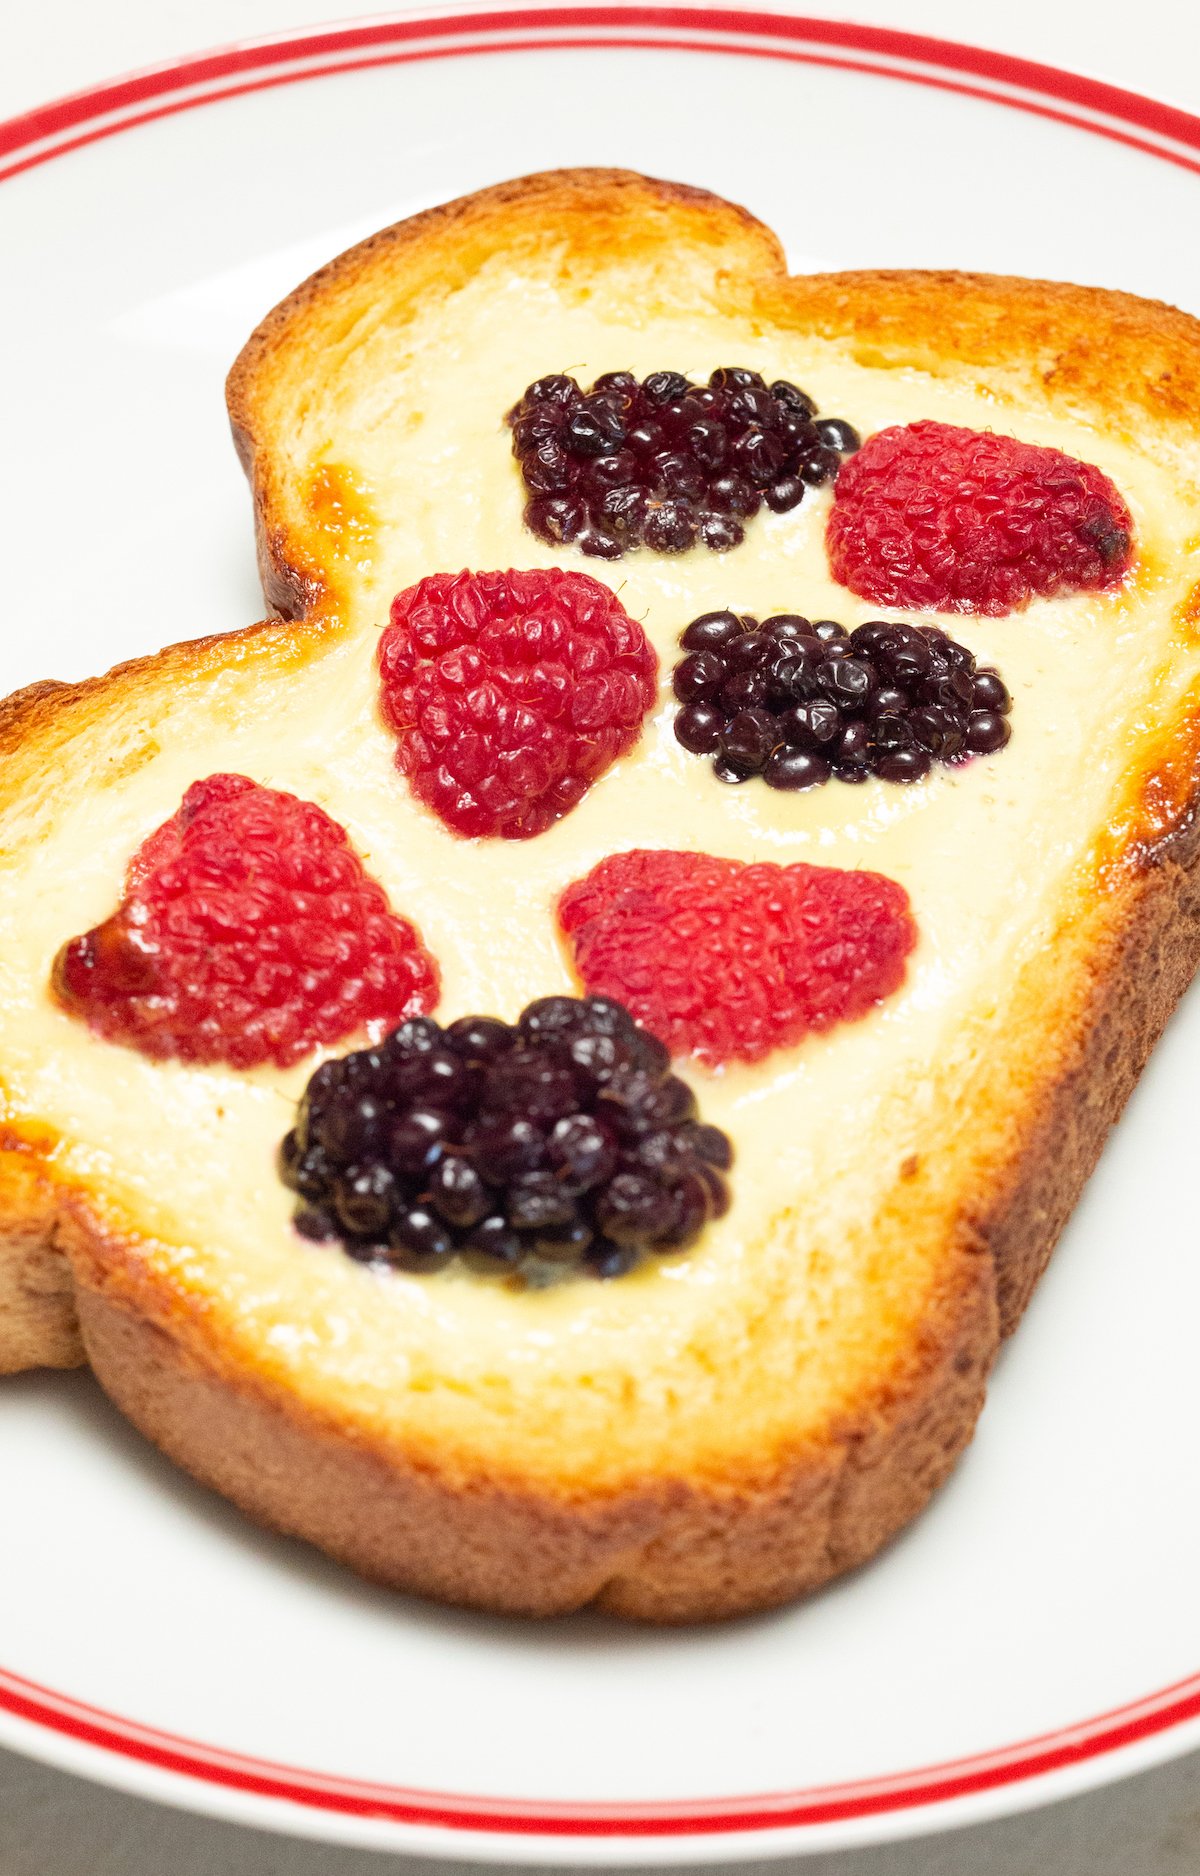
x: 249, y: 932
x: 511, y: 693
x: 666, y: 463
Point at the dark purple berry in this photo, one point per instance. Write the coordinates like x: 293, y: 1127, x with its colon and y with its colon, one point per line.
x: 733, y: 495
x: 735, y: 377
x: 713, y: 1146
x: 548, y: 470
x: 795, y: 768
x: 798, y: 688
x: 494, y: 1237
x: 784, y: 494
x: 748, y: 651
x: 699, y: 676
x: 745, y: 690
x: 854, y: 743
x: 699, y: 728
x: 792, y: 398
x: 989, y: 692
x: 580, y: 1153
x: 941, y: 731
x: 536, y: 1200
x: 667, y: 462
x: 606, y: 1259
x: 559, y: 1142
x: 456, y: 1191
x: 987, y: 731
x: 761, y: 457
x: 820, y: 467
x: 556, y: 389
x: 418, y: 1239
x: 364, y: 1198
x: 711, y: 631
x: 721, y: 532
x: 416, y: 1138
x: 669, y: 527
x: 635, y: 1209
x: 810, y: 725
x: 838, y: 435
x: 903, y: 765
x: 750, y: 738
x: 479, y: 1038
x: 662, y: 386
x: 708, y: 443
x: 556, y: 517
x: 598, y: 542
x: 593, y: 430
x: 506, y: 1147
x: 847, y: 681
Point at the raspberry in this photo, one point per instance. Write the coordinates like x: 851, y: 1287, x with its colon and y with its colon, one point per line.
x: 728, y: 961
x: 929, y: 515
x: 512, y: 693
x: 248, y: 933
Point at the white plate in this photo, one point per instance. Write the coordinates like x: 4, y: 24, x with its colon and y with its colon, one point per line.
x: 1039, y: 1630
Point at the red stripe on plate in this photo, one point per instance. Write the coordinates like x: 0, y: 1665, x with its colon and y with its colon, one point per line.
x: 938, y: 1784
x: 1071, y: 87
x: 550, y: 43
x: 935, y: 1784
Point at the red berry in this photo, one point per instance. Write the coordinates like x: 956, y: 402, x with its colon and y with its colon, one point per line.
x: 728, y: 961
x: 930, y: 515
x: 248, y: 933
x: 512, y: 693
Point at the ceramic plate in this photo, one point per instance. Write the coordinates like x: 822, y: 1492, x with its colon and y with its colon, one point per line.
x: 1039, y: 1629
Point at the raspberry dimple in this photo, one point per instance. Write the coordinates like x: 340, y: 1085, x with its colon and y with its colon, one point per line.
x: 931, y: 515
x: 511, y: 693
x: 249, y: 933
x: 727, y: 961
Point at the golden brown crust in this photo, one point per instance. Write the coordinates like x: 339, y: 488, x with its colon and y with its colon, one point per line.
x: 39, y: 1326
x: 1039, y: 337
x: 692, y: 1549
x: 591, y: 212
x: 751, y: 1535
x: 1036, y: 338
x: 670, y: 1550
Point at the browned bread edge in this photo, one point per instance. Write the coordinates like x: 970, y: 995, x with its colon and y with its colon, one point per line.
x: 702, y: 1547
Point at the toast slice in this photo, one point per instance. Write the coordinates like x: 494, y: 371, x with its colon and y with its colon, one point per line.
x: 722, y: 1430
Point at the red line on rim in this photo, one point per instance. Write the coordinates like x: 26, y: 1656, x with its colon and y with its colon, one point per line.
x: 934, y: 1784
x: 1089, y: 1739
x: 473, y: 49
x: 61, y: 114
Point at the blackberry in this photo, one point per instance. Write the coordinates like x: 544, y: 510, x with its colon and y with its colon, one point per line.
x: 797, y: 702
x: 560, y: 1142
x: 668, y: 462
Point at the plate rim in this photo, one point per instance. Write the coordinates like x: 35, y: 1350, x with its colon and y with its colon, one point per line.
x: 89, y: 1740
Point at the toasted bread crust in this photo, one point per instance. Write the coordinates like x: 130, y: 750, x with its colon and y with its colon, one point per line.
x: 591, y: 211
x: 1035, y: 338
x: 689, y: 1546
x: 693, y: 1549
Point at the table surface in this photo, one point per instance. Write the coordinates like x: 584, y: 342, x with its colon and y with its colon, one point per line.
x: 53, y: 1825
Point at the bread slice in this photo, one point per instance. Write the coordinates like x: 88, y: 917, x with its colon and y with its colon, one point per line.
x: 729, y: 1427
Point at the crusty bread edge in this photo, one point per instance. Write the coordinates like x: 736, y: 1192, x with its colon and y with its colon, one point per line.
x: 684, y: 1550
x: 679, y: 1551
x: 618, y: 209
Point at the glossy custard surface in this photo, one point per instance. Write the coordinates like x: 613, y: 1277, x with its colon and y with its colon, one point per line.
x: 710, y: 1351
